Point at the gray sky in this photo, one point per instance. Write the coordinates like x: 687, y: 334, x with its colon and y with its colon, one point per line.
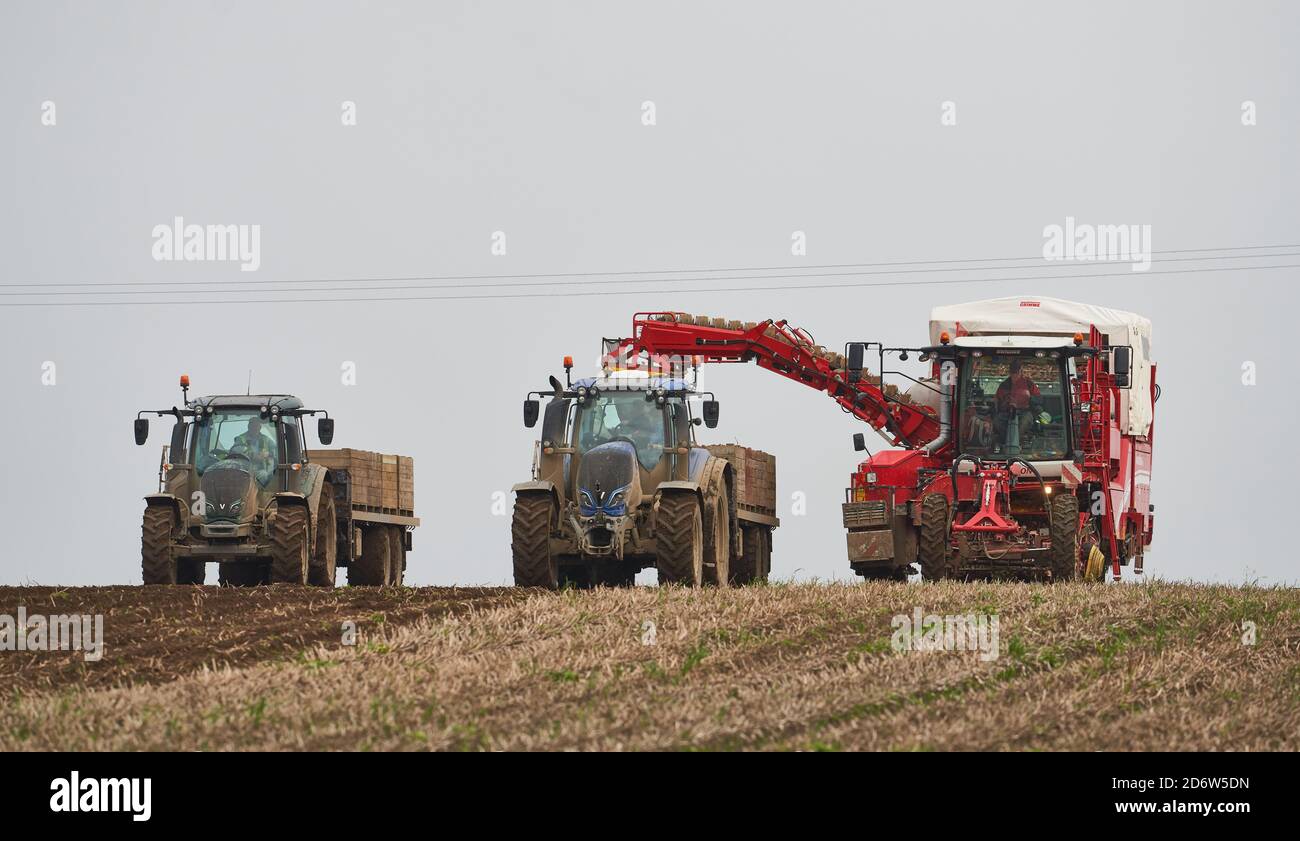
x: 527, y: 118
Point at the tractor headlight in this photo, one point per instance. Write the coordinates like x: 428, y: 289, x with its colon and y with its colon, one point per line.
x: 616, y: 506
x: 586, y: 505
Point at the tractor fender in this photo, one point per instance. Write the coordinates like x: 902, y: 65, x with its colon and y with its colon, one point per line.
x: 538, y: 486
x: 313, y: 484
x: 678, y: 486
x: 287, y: 498
x: 178, y: 506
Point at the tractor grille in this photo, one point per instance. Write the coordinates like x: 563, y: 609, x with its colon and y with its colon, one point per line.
x: 865, y: 515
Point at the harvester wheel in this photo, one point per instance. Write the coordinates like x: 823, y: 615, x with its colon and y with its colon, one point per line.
x: 717, y: 544
x: 396, y: 556
x: 371, y: 569
x: 932, y: 545
x: 1063, y: 531
x: 530, y: 542
x: 679, y: 531
x: 290, y: 545
x: 324, y: 555
x: 156, y: 561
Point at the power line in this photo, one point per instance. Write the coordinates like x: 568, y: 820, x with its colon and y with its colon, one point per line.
x: 620, y: 292
x: 645, y: 272
x: 1064, y: 266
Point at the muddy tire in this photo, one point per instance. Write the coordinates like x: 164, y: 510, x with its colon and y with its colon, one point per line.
x: 679, y: 531
x: 325, y: 550
x: 372, y: 568
x: 157, y: 563
x: 396, y: 556
x: 530, y: 542
x: 755, y: 561
x: 1064, y: 532
x: 233, y: 574
x: 932, y: 544
x: 290, y: 545
x: 717, y: 542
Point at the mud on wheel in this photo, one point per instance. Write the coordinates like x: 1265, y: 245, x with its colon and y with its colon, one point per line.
x: 324, y: 554
x: 755, y: 561
x: 290, y: 545
x: 717, y: 543
x: 372, y: 568
x: 530, y: 542
x: 679, y: 532
x: 932, y: 547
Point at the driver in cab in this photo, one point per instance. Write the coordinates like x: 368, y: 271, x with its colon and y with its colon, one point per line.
x: 1017, y: 394
x: 253, y: 443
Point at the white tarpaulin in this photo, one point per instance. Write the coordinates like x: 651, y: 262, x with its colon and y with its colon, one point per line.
x: 1030, y: 316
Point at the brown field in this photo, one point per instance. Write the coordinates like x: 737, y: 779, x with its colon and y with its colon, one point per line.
x: 1081, y: 667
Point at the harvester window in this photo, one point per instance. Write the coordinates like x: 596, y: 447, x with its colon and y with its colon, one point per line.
x: 237, y: 436
x: 1013, y: 406
x: 627, y: 417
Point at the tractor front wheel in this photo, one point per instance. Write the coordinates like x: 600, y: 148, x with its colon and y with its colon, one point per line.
x: 530, y: 542
x: 290, y: 545
x: 324, y: 554
x: 679, y: 532
x: 156, y: 560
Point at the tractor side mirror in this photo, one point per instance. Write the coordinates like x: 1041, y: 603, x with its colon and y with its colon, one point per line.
x: 859, y: 442
x: 531, y: 408
x: 855, y: 361
x: 1122, y: 366
x: 711, y: 413
x: 141, y: 430
x: 325, y: 431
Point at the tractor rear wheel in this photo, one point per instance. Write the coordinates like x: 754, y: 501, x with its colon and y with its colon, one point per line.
x: 325, y: 552
x: 1063, y: 529
x: 290, y: 545
x: 530, y: 542
x: 932, y: 545
x: 157, y: 563
x: 371, y: 569
x: 396, y: 556
x: 717, y: 544
x: 679, y: 531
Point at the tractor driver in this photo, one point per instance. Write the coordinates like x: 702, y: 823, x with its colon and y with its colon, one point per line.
x: 1017, y: 394
x: 644, y: 425
x: 259, y: 447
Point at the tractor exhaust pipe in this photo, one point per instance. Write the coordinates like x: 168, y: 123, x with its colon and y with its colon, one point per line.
x: 947, y: 375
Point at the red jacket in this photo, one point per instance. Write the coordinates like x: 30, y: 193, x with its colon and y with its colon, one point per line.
x: 1017, y: 390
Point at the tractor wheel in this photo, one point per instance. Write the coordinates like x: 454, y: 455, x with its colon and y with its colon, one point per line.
x: 679, y: 530
x: 290, y: 545
x: 530, y: 542
x: 325, y: 552
x: 396, y: 556
x: 372, y: 568
x: 932, y: 546
x: 1063, y: 530
x: 755, y: 561
x: 717, y: 543
x: 231, y: 574
x: 156, y: 561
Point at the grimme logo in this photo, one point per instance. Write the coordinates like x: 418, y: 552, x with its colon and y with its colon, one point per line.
x: 121, y: 794
x: 53, y: 633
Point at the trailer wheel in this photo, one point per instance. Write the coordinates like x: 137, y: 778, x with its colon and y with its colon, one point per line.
x: 234, y: 574
x: 396, y: 556
x: 1063, y: 529
x: 679, y: 531
x: 755, y: 561
x: 932, y: 546
x: 371, y: 569
x: 157, y: 563
x: 530, y: 542
x: 717, y: 544
x: 290, y: 545
x: 324, y: 556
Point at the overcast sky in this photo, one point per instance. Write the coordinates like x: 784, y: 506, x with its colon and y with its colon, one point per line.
x: 529, y: 119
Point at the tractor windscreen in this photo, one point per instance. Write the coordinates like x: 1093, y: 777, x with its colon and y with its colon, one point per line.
x: 1013, y: 406
x: 239, y: 438
x: 625, y: 416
